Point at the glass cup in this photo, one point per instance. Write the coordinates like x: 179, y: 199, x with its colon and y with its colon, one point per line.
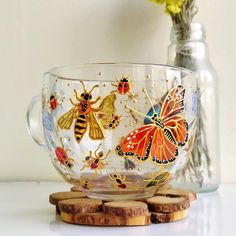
x: 116, y: 131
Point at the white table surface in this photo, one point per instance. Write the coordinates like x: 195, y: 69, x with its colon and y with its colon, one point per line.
x: 25, y: 210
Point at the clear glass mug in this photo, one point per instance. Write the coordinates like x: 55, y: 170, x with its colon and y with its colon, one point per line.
x: 116, y: 131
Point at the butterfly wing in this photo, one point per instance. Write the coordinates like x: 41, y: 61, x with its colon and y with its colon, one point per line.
x: 163, y: 149
x: 150, y: 113
x: 137, y: 143
x: 65, y: 121
x: 95, y: 131
x: 108, y: 104
x: 173, y: 118
x: 106, y: 110
x: 174, y: 102
x: 148, y: 141
x: 178, y: 127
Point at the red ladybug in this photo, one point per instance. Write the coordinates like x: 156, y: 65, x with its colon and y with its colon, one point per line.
x: 62, y: 157
x: 123, y: 86
x: 53, y: 102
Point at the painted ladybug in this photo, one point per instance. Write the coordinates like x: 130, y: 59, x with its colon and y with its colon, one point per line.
x: 62, y: 157
x: 123, y: 86
x: 53, y: 102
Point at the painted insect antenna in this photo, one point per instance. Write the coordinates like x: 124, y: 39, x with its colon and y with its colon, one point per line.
x: 149, y: 99
x: 95, y: 86
x: 76, y: 95
x: 134, y: 111
x: 97, y: 148
x: 109, y: 151
x: 83, y: 86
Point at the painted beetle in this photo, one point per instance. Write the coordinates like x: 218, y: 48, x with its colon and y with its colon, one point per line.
x: 124, y: 86
x: 62, y: 157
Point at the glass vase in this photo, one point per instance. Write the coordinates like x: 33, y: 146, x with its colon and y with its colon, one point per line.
x: 188, y: 49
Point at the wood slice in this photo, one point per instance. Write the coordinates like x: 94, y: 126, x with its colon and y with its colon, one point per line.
x: 75, y: 189
x: 80, y: 205
x: 102, y: 219
x: 174, y: 192
x: 125, y: 208
x: 167, y: 204
x: 166, y: 217
x: 59, y: 196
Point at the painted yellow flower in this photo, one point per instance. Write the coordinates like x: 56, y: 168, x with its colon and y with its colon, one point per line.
x: 172, y: 6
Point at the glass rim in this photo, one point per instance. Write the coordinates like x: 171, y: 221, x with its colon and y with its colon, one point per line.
x: 53, y: 72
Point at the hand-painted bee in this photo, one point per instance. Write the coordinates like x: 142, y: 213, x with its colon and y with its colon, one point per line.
x: 97, y: 162
x: 83, y: 113
x: 124, y: 86
x: 117, y: 180
x: 62, y: 157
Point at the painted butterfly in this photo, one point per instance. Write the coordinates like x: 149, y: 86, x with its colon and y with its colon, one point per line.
x: 163, y: 132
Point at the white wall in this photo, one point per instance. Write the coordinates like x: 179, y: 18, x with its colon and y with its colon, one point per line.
x: 36, y: 35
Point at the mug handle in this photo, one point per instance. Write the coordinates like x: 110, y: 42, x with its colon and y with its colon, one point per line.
x: 34, y: 121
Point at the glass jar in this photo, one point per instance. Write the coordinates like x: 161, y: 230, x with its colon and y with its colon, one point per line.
x: 188, y: 49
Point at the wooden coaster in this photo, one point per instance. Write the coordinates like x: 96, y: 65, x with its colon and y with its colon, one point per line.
x: 125, y: 208
x: 80, y: 205
x: 102, y: 219
x: 171, y: 192
x: 59, y: 196
x: 167, y: 204
x: 75, y: 189
x: 166, y: 217
x: 54, y: 198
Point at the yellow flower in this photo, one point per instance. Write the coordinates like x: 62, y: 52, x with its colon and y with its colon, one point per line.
x: 172, y: 6
x: 158, y: 1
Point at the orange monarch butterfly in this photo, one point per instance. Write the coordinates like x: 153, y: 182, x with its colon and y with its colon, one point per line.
x: 160, y: 138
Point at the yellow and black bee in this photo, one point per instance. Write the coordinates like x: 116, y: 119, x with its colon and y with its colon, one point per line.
x: 83, y: 113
